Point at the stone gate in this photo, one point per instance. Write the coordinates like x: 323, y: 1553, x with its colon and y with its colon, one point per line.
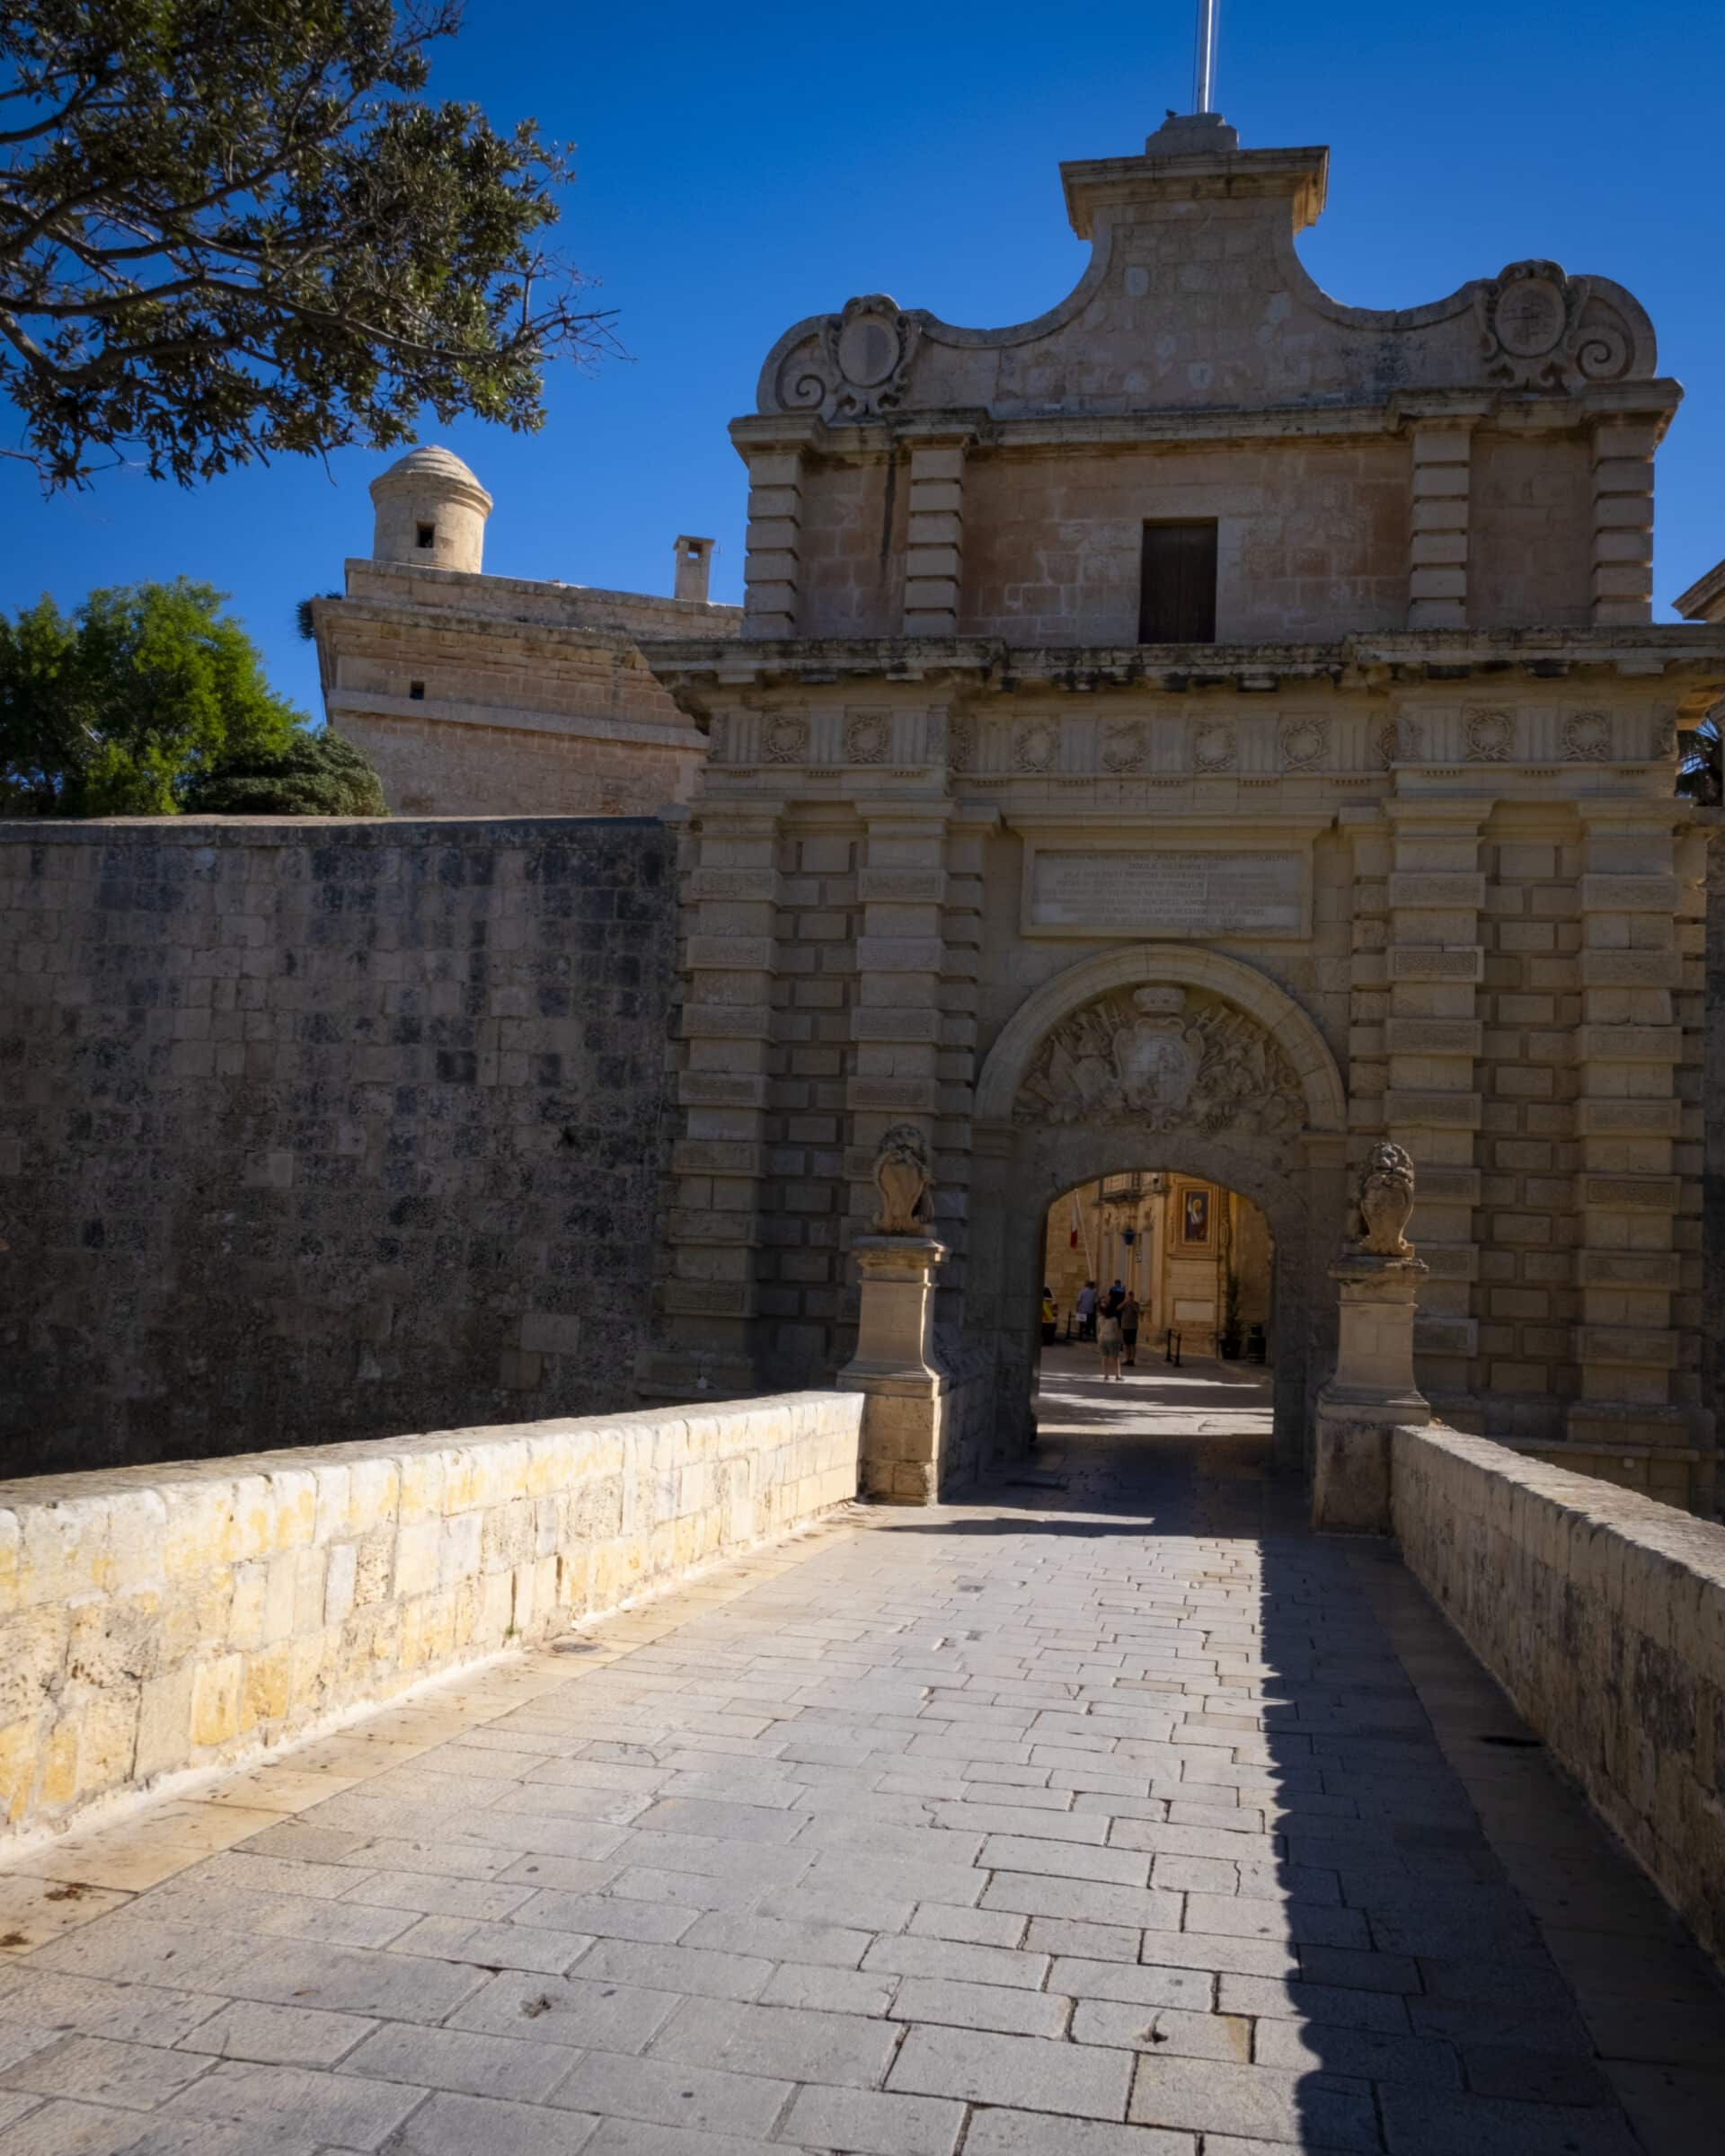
x: 1213, y: 728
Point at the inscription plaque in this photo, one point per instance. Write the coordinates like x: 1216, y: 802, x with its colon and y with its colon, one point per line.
x: 1163, y: 893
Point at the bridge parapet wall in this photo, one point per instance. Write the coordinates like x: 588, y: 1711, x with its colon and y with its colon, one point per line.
x: 156, y: 1620
x: 1602, y: 1614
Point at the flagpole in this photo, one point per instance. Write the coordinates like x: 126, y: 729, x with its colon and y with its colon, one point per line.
x: 1203, y: 69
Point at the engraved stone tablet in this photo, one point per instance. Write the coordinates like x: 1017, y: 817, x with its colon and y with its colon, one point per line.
x: 1168, y: 893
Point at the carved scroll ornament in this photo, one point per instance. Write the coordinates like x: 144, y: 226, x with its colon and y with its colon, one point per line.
x: 1163, y: 1059
x: 860, y: 365
x: 1540, y: 329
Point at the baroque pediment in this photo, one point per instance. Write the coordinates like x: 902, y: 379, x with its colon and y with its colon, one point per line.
x: 1196, y: 298
x: 1162, y: 1058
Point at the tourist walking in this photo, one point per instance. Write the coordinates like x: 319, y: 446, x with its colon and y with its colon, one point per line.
x: 1130, y: 1314
x: 1085, y: 1309
x: 1108, y: 1342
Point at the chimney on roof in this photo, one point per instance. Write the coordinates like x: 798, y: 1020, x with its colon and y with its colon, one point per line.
x: 694, y: 567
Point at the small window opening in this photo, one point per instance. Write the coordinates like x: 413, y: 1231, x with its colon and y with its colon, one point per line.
x: 1177, y: 594
x: 416, y: 690
x: 428, y: 534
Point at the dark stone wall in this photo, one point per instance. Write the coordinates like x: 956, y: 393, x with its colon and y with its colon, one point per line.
x: 311, y: 1131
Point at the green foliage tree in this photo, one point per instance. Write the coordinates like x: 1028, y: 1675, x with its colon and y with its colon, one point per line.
x: 116, y: 709
x: 316, y: 774
x: 230, y: 228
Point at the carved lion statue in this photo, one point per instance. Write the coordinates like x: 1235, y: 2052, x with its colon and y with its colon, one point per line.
x: 901, y: 1177
x: 1385, y: 1202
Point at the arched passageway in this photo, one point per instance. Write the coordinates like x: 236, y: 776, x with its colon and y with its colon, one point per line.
x: 1186, y: 1267
x: 1165, y: 1058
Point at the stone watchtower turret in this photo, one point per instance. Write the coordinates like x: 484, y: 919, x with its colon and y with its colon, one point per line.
x: 431, y: 510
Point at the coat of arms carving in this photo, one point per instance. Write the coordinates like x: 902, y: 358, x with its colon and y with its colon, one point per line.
x: 1162, y: 1058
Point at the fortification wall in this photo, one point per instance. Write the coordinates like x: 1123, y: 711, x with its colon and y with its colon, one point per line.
x: 323, y: 1130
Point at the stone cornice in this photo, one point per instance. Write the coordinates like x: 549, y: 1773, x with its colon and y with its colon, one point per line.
x: 336, y: 618
x: 1094, y: 184
x: 1705, y: 601
x: 586, y: 725
x: 440, y: 592
x: 1388, y: 417
x: 1389, y: 660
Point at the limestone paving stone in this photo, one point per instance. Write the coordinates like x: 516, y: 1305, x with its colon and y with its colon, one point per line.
x: 610, y: 2085
x: 100, y: 2071
x: 1004, y: 2132
x: 870, y: 2124
x: 279, y: 2036
x: 566, y: 2010
x: 834, y: 1991
x: 343, y: 2110
x: 949, y: 2003
x: 1029, y: 2073
x: 459, y: 2126
x: 794, y: 2044
x: 135, y: 2013
x: 459, y: 2059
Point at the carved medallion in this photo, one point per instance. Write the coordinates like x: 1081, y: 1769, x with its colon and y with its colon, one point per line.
x: 1587, y: 738
x: 1161, y: 1059
x: 1036, y: 745
x: 1126, y: 743
x: 868, y: 736
x: 862, y: 367
x: 784, y: 739
x: 1490, y: 735
x: 1215, y: 746
x: 1304, y: 743
x: 1541, y: 329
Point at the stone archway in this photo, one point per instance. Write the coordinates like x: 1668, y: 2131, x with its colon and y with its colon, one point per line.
x: 1161, y: 1056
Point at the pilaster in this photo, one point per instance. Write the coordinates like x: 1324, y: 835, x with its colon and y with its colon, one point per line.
x: 1434, y: 963
x: 934, y: 557
x: 895, y: 1023
x: 1623, y: 519
x: 1629, y: 1117
x: 771, y: 566
x: 711, y: 1297
x: 1437, y: 537
x: 968, y: 833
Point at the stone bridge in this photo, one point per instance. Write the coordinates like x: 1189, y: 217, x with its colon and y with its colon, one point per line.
x: 1105, y: 1813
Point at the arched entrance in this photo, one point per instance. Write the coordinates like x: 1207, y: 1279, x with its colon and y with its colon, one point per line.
x: 1163, y: 1056
x: 1195, y: 1260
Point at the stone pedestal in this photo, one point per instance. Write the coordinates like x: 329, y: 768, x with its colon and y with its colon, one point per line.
x: 1372, y: 1390
x: 903, y: 1419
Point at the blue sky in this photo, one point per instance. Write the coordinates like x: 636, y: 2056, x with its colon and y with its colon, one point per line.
x: 740, y: 168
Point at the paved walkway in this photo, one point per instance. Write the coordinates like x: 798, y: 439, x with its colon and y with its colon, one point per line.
x: 1110, y: 1816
